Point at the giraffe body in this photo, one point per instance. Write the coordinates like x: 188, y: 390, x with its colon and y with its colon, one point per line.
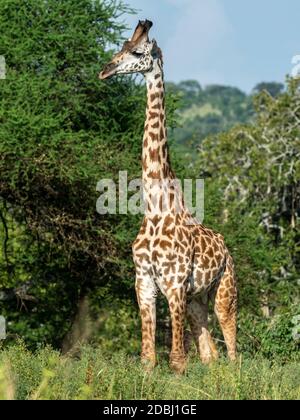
x: 173, y: 254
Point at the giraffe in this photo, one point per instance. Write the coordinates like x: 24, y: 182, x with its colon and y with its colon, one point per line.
x: 173, y: 253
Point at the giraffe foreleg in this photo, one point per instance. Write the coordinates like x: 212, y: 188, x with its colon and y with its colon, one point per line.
x: 177, y: 305
x: 146, y: 295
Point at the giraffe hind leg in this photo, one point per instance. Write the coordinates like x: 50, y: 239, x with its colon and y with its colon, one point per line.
x: 226, y: 308
x: 197, y: 314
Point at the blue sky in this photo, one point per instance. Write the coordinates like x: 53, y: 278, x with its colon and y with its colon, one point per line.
x: 231, y: 42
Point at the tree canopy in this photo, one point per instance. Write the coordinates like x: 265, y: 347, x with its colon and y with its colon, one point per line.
x: 61, y: 131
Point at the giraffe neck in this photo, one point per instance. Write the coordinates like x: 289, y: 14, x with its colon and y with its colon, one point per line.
x: 155, y: 159
x: 156, y: 163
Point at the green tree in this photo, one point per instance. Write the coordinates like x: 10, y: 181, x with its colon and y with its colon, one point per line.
x: 61, y: 131
x: 274, y: 88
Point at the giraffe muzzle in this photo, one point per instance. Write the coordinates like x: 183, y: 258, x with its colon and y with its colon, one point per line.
x: 108, y: 71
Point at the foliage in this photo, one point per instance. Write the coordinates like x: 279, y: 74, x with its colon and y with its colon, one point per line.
x: 209, y: 110
x: 273, y: 88
x: 258, y: 167
x: 253, y: 182
x: 61, y: 131
x: 212, y: 109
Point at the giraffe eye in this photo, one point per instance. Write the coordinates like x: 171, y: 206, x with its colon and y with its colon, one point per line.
x: 137, y: 54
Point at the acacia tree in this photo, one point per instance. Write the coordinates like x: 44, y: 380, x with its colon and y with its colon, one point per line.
x: 61, y: 130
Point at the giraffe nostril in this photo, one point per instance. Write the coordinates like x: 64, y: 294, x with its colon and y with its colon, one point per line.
x: 108, y: 70
x: 109, y: 67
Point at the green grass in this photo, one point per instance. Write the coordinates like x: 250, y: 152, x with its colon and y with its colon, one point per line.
x: 48, y: 375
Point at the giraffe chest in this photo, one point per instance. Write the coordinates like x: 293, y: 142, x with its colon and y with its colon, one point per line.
x: 159, y: 252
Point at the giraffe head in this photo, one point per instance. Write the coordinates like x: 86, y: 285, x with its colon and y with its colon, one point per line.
x: 137, y: 55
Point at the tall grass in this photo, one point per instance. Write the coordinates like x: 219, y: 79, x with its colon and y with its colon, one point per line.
x: 48, y: 375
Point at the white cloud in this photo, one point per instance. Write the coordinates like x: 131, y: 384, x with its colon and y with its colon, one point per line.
x: 195, y: 39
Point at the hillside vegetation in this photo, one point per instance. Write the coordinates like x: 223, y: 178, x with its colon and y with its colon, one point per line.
x: 212, y: 109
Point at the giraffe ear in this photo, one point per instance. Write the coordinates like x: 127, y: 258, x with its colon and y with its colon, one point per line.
x: 156, y: 51
x: 142, y: 30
